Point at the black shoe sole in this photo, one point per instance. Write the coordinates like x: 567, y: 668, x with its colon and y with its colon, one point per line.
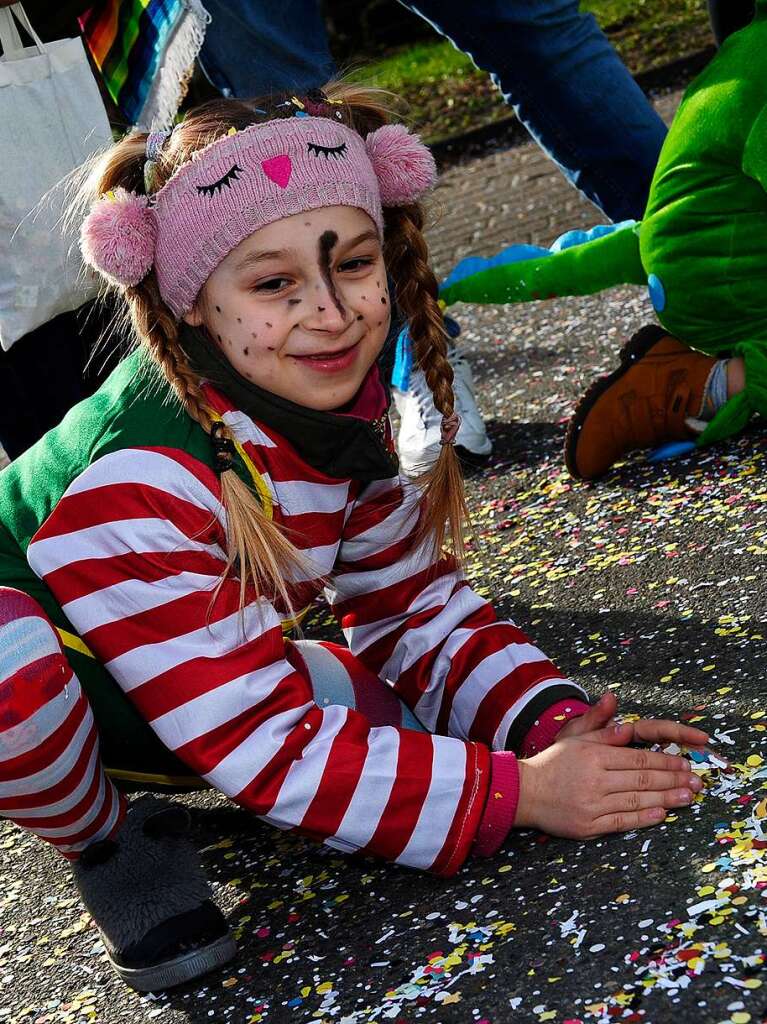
x: 634, y: 349
x: 180, y: 969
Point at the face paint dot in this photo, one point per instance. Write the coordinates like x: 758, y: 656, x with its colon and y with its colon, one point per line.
x: 364, y: 298
x: 383, y: 300
x: 239, y: 319
x: 360, y: 317
x: 219, y: 339
x: 218, y: 309
x: 293, y: 302
x: 245, y: 351
x: 253, y: 334
x: 320, y: 309
x: 268, y: 324
x: 270, y: 348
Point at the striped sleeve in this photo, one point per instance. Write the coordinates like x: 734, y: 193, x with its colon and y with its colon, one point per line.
x: 133, y: 552
x: 417, y: 623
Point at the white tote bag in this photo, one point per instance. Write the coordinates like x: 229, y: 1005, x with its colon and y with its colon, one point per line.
x: 51, y: 119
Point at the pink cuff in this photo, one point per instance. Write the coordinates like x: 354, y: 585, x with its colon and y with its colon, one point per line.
x: 501, y: 807
x: 546, y: 728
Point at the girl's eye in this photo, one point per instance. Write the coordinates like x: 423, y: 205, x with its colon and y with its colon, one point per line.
x: 274, y: 284
x: 357, y: 263
x: 327, y: 151
x: 216, y: 186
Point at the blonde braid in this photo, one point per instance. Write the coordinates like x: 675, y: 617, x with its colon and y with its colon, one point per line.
x: 257, y: 549
x: 407, y: 257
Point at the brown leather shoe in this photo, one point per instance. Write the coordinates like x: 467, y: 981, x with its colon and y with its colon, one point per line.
x: 659, y: 383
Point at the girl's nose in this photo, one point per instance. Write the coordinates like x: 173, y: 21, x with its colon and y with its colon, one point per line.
x: 326, y: 309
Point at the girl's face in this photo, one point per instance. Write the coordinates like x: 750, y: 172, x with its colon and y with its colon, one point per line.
x: 301, y: 307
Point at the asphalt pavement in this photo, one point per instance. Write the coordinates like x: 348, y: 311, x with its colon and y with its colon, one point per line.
x: 651, y: 583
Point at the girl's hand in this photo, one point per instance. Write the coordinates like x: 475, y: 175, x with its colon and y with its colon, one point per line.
x: 645, y: 730
x: 588, y: 786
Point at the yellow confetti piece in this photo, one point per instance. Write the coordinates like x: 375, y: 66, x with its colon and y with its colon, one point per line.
x: 753, y: 761
x: 706, y: 890
x: 752, y: 983
x: 548, y: 1015
x: 323, y: 987
x: 708, y: 868
x: 229, y: 982
x: 623, y: 898
x: 740, y: 1017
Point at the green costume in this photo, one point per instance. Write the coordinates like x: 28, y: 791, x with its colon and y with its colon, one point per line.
x: 132, y: 409
x: 701, y: 247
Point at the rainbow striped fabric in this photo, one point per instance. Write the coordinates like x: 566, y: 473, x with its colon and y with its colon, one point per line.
x: 145, y: 50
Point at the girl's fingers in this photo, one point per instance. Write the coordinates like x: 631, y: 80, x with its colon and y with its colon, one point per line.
x: 621, y: 783
x: 627, y: 821
x: 597, y: 717
x: 624, y: 803
x: 616, y: 758
x: 660, y: 730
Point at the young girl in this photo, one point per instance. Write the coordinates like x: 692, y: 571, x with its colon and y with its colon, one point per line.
x: 159, y: 546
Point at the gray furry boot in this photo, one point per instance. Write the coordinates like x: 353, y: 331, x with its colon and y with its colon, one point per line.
x: 146, y: 891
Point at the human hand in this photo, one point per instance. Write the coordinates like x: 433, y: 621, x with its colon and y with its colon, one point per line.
x: 591, y: 785
x: 644, y: 730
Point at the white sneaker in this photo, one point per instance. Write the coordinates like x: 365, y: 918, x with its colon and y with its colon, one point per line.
x: 420, y: 423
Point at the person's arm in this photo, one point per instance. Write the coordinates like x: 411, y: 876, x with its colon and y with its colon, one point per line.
x: 755, y: 150
x: 416, y: 622
x: 134, y: 552
x: 578, y: 263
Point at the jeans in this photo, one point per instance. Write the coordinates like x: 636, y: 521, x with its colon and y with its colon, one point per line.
x: 551, y: 62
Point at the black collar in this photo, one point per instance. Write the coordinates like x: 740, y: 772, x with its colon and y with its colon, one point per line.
x: 342, y: 447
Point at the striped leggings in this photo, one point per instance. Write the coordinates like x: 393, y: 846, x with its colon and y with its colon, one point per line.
x: 52, y: 781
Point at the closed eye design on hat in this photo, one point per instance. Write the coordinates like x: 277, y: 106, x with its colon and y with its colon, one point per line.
x: 327, y: 151
x: 225, y: 182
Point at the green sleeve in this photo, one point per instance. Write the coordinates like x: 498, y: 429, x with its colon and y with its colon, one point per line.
x: 755, y: 150
x: 584, y: 269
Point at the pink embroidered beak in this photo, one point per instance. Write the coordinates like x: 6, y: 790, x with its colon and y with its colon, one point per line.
x: 278, y: 169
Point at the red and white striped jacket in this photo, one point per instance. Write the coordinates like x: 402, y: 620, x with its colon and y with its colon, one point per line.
x: 133, y: 552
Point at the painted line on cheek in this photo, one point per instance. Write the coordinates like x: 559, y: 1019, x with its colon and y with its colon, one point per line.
x: 327, y: 241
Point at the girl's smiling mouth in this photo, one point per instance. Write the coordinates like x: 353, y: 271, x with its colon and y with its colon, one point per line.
x: 330, y: 362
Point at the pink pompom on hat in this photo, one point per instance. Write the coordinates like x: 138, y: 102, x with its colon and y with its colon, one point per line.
x: 241, y: 183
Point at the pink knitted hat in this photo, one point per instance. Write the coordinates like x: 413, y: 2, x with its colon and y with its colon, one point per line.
x: 241, y: 183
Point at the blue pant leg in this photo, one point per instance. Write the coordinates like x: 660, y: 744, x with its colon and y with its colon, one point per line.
x: 256, y: 47
x: 568, y: 87
x: 337, y: 677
